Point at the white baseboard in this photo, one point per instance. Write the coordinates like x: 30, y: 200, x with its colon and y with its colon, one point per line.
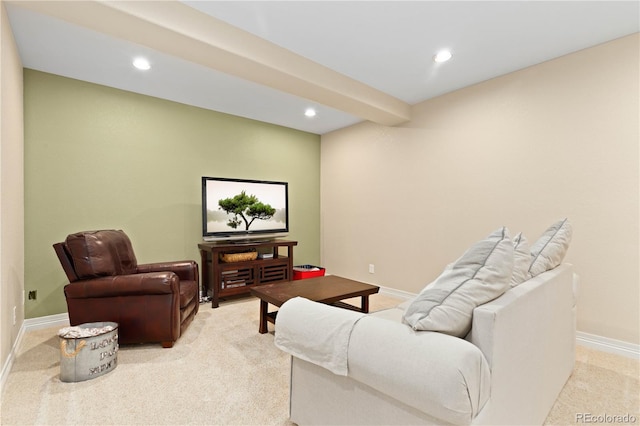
x: 404, y: 295
x: 6, y: 368
x: 605, y: 344
x: 58, y: 320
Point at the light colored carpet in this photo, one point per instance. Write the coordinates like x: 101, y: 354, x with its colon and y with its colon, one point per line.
x: 223, y: 372
x: 601, y: 387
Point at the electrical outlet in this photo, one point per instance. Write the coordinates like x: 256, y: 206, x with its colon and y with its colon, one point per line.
x: 372, y: 268
x: 14, y: 315
x: 33, y: 294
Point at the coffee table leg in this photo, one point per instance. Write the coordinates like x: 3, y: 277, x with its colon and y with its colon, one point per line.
x: 263, y: 317
x: 365, y: 304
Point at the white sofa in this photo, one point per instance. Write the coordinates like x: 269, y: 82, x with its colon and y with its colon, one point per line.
x: 508, y: 370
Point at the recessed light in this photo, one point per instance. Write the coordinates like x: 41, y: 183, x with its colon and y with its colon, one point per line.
x: 442, y: 56
x: 310, y: 112
x: 141, y: 64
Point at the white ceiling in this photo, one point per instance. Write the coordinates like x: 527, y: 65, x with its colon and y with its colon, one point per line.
x: 386, y: 45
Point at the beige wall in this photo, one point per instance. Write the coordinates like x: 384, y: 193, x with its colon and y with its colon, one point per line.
x: 102, y: 158
x: 556, y: 140
x: 11, y: 190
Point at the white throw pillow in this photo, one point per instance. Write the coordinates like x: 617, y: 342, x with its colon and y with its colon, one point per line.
x: 479, y: 276
x: 521, y: 260
x: 548, y: 252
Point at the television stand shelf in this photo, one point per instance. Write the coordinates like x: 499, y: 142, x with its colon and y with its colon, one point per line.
x: 221, y: 279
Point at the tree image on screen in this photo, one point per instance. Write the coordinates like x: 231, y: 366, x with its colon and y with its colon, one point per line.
x: 245, y: 209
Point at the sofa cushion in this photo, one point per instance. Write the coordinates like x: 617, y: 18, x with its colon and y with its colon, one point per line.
x: 480, y: 275
x: 549, y: 250
x: 101, y: 253
x: 521, y: 260
x: 391, y: 314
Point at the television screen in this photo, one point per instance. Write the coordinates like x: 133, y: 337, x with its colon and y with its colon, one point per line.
x: 240, y: 208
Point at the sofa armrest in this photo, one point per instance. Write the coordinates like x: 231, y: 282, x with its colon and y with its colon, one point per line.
x: 124, y: 285
x: 444, y: 376
x: 186, y: 270
x: 316, y: 332
x: 528, y: 337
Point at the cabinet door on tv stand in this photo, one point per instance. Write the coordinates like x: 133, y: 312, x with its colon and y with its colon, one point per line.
x: 237, y: 276
x: 274, y: 271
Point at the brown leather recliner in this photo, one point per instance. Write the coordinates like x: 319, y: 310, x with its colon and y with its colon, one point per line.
x: 151, y: 303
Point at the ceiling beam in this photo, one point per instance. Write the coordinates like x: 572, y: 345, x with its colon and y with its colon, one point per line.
x: 176, y: 29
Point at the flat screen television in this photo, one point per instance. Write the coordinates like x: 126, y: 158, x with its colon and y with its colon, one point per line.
x: 240, y: 209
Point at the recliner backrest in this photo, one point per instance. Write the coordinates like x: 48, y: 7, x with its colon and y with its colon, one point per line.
x: 65, y: 261
x: 101, y: 253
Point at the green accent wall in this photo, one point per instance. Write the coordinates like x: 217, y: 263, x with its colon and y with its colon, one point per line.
x: 103, y: 158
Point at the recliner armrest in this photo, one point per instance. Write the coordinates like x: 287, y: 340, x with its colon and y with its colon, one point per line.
x: 124, y: 285
x: 185, y: 269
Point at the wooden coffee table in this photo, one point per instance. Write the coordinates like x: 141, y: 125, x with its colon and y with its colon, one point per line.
x: 328, y: 289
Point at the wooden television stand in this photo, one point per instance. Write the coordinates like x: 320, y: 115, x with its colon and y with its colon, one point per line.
x: 221, y: 279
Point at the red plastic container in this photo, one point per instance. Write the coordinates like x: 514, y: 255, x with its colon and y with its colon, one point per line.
x: 301, y: 272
